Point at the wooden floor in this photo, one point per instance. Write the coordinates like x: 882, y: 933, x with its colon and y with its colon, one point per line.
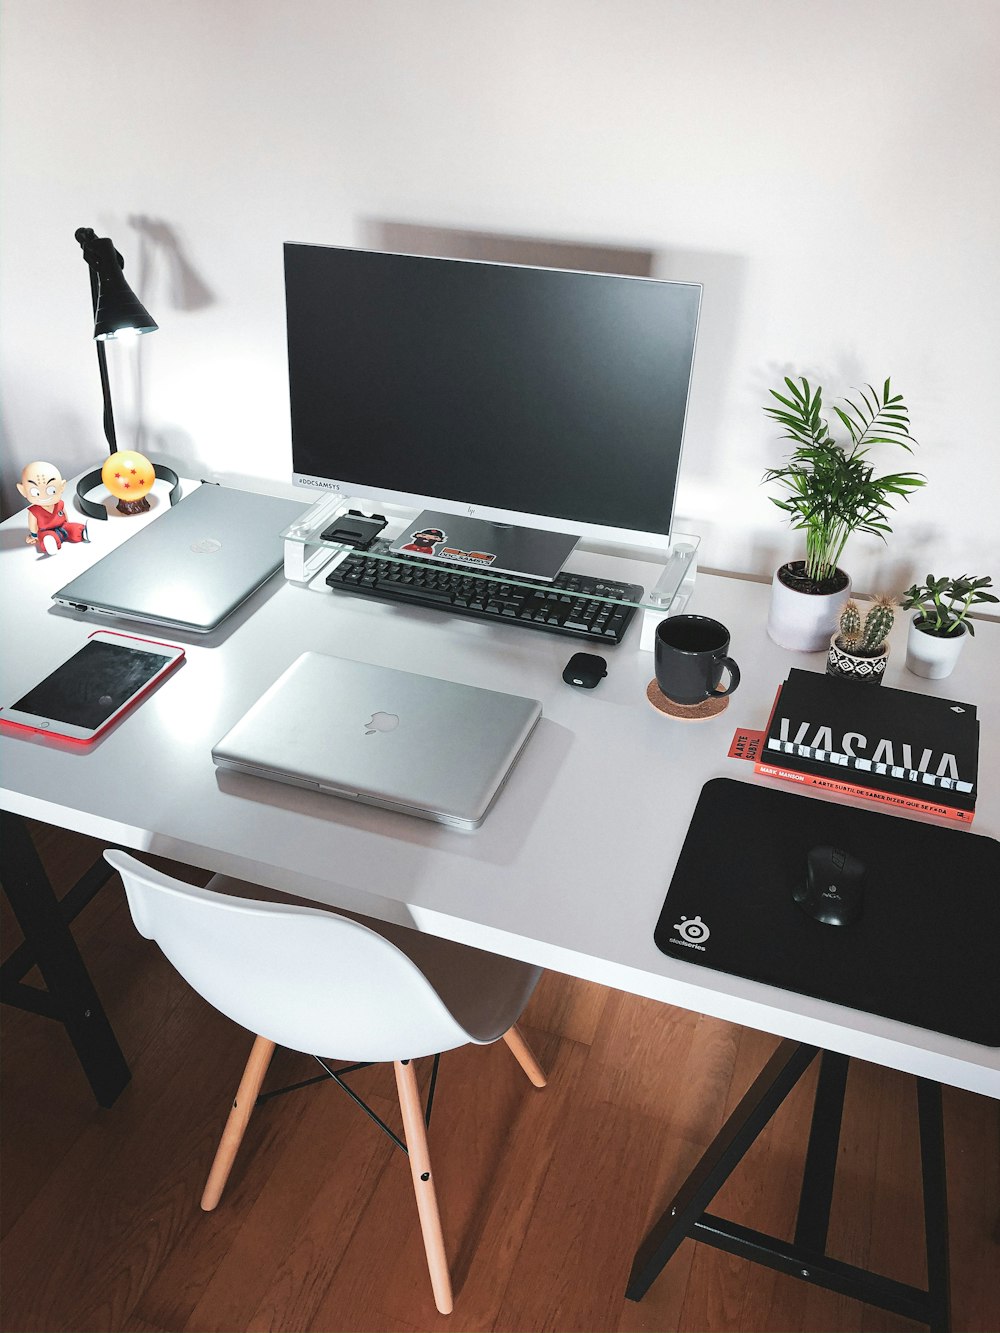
x: 544, y: 1195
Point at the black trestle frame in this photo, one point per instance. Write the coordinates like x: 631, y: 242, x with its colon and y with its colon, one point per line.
x: 805, y: 1257
x: 69, y: 995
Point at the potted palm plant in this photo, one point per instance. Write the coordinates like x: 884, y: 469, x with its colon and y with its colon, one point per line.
x: 830, y: 491
x: 941, y: 624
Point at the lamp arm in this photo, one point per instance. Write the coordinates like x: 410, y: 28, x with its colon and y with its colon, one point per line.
x: 102, y: 366
x: 88, y: 240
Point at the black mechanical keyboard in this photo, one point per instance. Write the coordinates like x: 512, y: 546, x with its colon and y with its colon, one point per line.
x: 565, y: 606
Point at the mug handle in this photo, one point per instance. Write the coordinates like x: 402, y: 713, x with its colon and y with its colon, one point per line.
x: 734, y: 678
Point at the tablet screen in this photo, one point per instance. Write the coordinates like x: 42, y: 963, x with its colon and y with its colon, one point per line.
x: 92, y: 684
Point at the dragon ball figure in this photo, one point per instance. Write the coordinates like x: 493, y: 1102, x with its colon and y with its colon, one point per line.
x: 42, y: 486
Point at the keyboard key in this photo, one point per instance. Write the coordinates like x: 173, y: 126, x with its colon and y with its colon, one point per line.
x: 410, y: 591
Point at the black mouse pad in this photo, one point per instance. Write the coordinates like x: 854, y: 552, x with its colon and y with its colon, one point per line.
x: 924, y: 949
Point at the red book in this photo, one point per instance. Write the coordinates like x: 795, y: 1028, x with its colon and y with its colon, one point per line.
x: 913, y: 804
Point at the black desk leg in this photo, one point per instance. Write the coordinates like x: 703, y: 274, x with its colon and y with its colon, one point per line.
x: 816, y: 1195
x: 48, y: 942
x: 784, y: 1069
x: 805, y: 1257
x: 932, y: 1164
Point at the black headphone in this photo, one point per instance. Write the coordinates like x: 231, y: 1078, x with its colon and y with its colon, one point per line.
x: 95, y: 510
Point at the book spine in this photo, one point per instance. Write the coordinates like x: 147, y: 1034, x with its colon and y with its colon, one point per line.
x: 889, y: 798
x: 870, y: 778
x: 897, y: 772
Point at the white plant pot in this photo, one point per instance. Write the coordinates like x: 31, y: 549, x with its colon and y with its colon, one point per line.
x: 804, y: 621
x: 931, y: 656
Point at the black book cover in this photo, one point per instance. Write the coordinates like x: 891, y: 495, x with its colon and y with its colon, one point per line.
x: 913, y: 745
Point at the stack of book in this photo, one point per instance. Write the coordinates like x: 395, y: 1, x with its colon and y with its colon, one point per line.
x: 910, y: 751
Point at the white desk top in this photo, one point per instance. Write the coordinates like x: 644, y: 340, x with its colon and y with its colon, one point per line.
x: 570, y: 868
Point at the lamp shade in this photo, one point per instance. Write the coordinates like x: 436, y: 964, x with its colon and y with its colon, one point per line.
x: 117, y: 309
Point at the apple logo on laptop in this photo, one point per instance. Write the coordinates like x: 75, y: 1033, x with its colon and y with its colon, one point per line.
x: 381, y: 722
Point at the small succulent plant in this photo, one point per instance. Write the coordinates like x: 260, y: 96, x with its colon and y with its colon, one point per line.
x: 866, y: 639
x: 943, y: 604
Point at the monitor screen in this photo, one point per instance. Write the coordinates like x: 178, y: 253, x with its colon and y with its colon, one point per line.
x: 549, y: 397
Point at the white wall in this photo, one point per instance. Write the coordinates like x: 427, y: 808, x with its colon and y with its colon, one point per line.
x: 828, y: 168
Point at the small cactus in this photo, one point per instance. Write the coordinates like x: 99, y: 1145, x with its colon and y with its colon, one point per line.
x: 850, y: 623
x: 866, y: 640
x: 878, y: 623
x: 849, y: 634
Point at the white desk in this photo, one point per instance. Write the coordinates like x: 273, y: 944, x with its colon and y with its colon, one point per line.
x: 569, y: 870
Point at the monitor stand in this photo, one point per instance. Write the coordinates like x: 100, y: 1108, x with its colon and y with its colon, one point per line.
x: 672, y: 590
x: 307, y: 555
x: 478, y: 543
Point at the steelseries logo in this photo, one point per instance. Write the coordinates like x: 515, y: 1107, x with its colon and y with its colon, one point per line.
x: 693, y: 933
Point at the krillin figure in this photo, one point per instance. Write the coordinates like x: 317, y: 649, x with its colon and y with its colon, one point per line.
x: 42, y: 486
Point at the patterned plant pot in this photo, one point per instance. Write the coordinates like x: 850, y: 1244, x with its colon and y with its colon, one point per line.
x: 849, y: 667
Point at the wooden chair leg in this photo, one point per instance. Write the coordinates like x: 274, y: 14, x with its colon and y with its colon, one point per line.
x: 524, y: 1055
x: 239, y: 1118
x: 423, y: 1183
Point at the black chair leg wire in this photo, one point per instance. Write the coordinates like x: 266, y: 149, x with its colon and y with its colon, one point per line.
x: 337, y: 1075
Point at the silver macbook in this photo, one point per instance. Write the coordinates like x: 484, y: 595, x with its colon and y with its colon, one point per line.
x: 390, y: 738
x: 192, y: 565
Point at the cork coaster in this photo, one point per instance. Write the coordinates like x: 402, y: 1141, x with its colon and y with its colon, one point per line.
x: 685, y: 712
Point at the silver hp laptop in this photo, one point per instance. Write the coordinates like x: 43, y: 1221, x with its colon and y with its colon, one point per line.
x: 192, y: 565
x: 404, y: 742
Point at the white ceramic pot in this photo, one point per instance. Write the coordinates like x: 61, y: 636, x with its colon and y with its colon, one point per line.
x: 931, y: 655
x: 804, y: 621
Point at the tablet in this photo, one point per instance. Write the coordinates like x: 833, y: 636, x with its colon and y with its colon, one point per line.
x: 94, y: 687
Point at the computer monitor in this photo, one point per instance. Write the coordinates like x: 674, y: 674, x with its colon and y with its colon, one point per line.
x: 549, y: 398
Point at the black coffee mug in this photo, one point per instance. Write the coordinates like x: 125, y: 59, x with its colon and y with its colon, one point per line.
x: 690, y: 656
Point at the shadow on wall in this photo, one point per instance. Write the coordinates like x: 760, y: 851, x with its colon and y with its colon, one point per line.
x: 838, y: 382
x: 891, y: 570
x: 722, y: 277
x: 158, y: 241
x: 175, y: 448
x: 61, y: 428
x: 10, y: 498
x: 159, y: 248
x: 454, y: 243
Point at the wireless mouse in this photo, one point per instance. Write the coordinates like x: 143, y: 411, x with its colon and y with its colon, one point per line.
x: 585, y: 670
x: 833, y: 891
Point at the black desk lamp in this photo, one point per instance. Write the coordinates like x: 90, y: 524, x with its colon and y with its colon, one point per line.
x: 118, y: 312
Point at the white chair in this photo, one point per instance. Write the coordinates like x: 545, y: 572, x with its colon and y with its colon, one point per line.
x: 326, y: 985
